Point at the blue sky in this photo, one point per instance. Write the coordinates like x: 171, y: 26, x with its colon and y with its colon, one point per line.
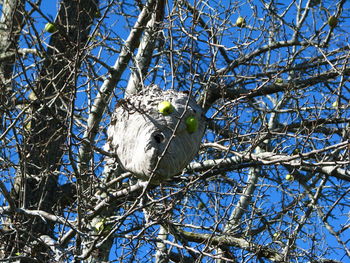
x: 118, y: 26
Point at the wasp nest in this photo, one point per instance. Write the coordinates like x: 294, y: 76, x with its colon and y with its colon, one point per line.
x: 156, y: 134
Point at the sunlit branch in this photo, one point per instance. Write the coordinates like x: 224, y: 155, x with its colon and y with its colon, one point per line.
x: 105, y: 92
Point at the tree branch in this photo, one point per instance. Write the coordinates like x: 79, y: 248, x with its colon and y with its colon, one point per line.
x: 145, y: 50
x: 105, y: 92
x: 233, y: 92
x: 268, y: 158
x: 227, y: 240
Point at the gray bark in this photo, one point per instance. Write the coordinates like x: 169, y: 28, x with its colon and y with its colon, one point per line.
x: 11, y: 22
x: 143, y: 57
x: 101, y: 101
x: 146, y: 20
x: 36, y: 181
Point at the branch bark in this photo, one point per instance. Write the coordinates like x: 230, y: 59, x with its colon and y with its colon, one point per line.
x: 101, y: 101
x: 227, y: 240
x: 36, y: 181
x: 143, y: 57
x: 11, y: 23
x: 239, y: 161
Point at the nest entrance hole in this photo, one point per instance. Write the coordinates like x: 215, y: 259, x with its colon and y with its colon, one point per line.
x: 158, y: 137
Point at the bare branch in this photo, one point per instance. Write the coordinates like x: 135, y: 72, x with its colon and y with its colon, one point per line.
x: 105, y: 92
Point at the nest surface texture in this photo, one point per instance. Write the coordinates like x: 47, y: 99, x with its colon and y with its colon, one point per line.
x: 151, y: 144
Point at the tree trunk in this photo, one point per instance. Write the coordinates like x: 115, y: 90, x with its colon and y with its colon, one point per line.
x: 36, y: 181
x: 11, y: 23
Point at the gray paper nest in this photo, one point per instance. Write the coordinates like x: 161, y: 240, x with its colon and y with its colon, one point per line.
x: 139, y: 134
